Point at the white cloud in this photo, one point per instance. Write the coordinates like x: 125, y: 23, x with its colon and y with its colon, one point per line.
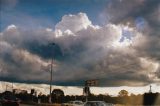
x: 74, y: 23
x: 88, y: 52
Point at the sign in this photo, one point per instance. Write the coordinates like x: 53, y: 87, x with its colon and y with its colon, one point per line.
x: 91, y: 83
x: 86, y: 91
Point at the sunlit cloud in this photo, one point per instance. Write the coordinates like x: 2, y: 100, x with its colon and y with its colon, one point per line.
x: 121, y: 51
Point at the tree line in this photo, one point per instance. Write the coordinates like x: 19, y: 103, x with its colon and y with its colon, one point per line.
x: 122, y: 98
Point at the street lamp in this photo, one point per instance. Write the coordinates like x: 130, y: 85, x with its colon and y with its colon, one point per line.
x: 50, y: 96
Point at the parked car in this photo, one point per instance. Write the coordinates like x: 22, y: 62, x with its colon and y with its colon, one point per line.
x: 73, y: 103
x: 97, y: 103
x: 76, y: 103
x: 9, y: 99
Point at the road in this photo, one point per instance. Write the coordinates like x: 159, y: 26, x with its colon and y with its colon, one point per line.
x: 26, y: 105
x: 41, y: 105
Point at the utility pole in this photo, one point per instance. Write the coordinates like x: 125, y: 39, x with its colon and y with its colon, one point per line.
x: 51, y: 77
x: 51, y: 72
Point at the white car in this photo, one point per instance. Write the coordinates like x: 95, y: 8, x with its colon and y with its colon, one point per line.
x: 97, y: 103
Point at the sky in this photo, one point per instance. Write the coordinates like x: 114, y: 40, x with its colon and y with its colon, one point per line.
x: 116, y: 42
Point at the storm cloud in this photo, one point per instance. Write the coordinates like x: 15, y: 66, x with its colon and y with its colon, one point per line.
x: 144, y: 15
x: 116, y: 53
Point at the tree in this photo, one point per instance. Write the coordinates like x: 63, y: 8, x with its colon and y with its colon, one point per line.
x: 57, y: 96
x: 123, y: 93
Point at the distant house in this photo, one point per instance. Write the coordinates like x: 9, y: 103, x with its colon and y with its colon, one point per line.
x: 19, y: 91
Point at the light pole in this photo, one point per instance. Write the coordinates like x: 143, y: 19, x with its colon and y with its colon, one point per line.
x: 51, y: 72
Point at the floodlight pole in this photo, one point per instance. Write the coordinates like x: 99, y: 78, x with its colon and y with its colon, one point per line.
x: 51, y: 72
x: 51, y: 77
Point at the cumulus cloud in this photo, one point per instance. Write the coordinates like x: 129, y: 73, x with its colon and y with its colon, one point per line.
x: 20, y: 65
x: 141, y: 14
x: 82, y: 51
x: 73, y: 22
x: 128, y: 11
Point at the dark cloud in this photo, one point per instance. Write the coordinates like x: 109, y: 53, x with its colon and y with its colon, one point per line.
x: 142, y: 14
x: 84, y: 51
x: 123, y: 10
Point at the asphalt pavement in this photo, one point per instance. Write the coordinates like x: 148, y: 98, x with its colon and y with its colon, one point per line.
x: 26, y: 105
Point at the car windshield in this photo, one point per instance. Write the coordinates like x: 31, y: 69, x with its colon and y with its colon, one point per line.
x: 94, y: 104
x: 78, y: 103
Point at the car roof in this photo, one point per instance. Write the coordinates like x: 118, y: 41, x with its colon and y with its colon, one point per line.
x: 76, y: 101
